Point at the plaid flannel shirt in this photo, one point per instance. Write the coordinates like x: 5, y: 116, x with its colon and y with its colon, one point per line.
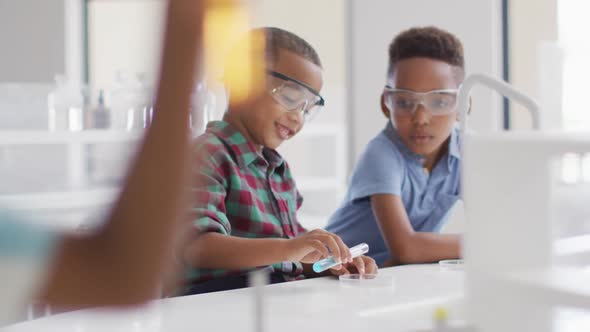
x: 238, y: 192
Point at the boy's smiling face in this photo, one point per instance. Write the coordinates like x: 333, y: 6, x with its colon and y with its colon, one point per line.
x: 422, y: 132
x: 263, y: 121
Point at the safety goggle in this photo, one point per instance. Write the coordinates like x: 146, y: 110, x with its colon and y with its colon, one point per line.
x: 295, y: 96
x: 406, y: 102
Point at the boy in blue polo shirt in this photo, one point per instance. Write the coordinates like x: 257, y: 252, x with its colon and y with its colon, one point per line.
x: 407, y: 178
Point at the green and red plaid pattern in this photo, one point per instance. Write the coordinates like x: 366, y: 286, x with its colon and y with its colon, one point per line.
x: 238, y: 192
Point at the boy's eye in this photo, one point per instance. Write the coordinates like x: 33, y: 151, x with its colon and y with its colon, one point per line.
x: 442, y: 101
x: 404, y: 103
x: 291, y: 94
x: 289, y: 99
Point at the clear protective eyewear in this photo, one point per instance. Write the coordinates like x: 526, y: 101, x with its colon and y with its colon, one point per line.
x: 405, y: 102
x: 295, y: 96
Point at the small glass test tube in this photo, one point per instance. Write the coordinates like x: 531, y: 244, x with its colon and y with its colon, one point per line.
x: 330, y: 262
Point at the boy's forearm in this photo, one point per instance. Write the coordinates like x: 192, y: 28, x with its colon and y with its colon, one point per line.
x: 217, y: 251
x: 425, y: 247
x: 408, y: 246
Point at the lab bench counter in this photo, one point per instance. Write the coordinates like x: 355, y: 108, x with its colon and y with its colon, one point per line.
x: 401, y: 299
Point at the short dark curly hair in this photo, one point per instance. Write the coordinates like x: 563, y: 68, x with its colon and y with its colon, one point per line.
x: 428, y: 42
x: 277, y: 39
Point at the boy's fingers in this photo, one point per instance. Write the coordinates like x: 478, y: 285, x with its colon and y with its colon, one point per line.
x: 344, y: 250
x: 370, y: 265
x: 339, y: 270
x: 311, y: 257
x: 320, y: 247
x: 333, y: 246
x: 359, y: 263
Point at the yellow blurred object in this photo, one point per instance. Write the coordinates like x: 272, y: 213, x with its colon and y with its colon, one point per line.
x: 441, y: 314
x: 230, y: 51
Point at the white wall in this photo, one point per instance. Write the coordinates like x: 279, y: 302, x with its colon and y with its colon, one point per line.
x: 32, y: 40
x: 376, y: 22
x: 40, y: 39
x: 531, y: 23
x: 123, y: 36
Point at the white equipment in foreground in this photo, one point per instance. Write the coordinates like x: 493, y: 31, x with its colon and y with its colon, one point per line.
x: 512, y: 281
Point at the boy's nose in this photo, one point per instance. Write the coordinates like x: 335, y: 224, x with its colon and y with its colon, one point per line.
x: 296, y: 117
x: 421, y: 116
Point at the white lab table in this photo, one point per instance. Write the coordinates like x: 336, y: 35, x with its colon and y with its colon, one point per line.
x: 403, y: 300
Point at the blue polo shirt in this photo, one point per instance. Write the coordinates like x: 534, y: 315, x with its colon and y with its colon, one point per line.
x: 388, y: 166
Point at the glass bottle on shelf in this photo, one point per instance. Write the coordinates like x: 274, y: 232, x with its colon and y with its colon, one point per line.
x: 131, y: 102
x: 65, y: 106
x: 100, y: 116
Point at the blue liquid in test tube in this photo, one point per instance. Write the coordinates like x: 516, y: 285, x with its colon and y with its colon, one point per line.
x: 327, y: 263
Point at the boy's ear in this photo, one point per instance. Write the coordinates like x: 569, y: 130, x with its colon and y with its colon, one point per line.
x: 468, y: 110
x: 384, y: 108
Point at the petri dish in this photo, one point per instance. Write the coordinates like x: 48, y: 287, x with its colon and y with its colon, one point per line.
x: 452, y: 264
x: 366, y: 280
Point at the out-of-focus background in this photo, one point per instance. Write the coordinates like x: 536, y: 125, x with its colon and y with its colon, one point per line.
x: 76, y: 79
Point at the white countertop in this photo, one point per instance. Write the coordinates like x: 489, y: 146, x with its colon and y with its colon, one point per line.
x: 309, y: 305
x: 402, y: 299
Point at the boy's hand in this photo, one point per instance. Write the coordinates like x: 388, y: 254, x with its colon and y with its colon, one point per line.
x: 315, y: 245
x: 359, y: 265
x: 390, y: 262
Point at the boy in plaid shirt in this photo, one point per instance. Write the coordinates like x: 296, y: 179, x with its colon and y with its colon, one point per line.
x: 245, y: 196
